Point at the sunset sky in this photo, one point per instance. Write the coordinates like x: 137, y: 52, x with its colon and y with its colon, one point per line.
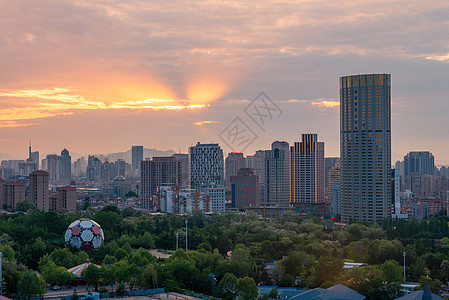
x: 98, y: 76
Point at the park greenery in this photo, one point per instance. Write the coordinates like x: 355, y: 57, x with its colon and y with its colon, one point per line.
x: 228, y: 253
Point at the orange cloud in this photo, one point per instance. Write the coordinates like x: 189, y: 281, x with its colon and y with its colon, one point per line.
x: 438, y: 57
x: 60, y: 101
x: 327, y: 103
x: 14, y: 124
x: 199, y: 123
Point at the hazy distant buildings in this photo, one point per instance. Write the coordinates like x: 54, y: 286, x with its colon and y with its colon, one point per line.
x: 59, y: 167
x: 93, y: 170
x: 136, y: 158
x: 307, y: 175
x: 277, y: 175
x: 206, y: 166
x: 233, y: 162
x: 365, y: 137
x: 66, y: 165
x: 38, y: 194
x: 53, y: 166
x: 79, y: 167
x: 121, y: 166
x: 419, y: 162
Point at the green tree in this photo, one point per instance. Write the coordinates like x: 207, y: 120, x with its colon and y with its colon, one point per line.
x: 86, y: 204
x: 247, y: 288
x: 392, y: 271
x: 92, y: 275
x: 287, y: 280
x: 327, y: 269
x: 434, y: 284
x: 53, y: 274
x: 444, y: 269
x: 122, y: 271
x: 364, y: 278
x: 149, y: 277
x: 12, y: 272
x: 25, y: 206
x: 120, y: 254
x: 146, y: 241
x: 274, y: 293
x: 31, y: 286
x: 385, y: 292
x: 296, y: 262
x: 131, y: 194
x: 7, y: 251
x: 205, y: 247
x: 228, y: 286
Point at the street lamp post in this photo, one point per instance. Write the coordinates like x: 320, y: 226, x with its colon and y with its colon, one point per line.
x: 177, y: 236
x: 186, y: 235
x: 404, y: 254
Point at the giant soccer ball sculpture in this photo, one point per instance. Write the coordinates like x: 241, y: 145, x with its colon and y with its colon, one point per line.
x: 84, y: 234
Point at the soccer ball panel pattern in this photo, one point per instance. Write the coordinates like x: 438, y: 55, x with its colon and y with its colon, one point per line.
x: 84, y: 234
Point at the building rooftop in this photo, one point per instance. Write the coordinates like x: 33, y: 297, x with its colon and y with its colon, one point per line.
x: 14, y: 182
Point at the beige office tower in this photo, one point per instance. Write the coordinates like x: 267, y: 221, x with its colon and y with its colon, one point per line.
x: 365, y: 147
x: 307, y: 175
x: 39, y: 189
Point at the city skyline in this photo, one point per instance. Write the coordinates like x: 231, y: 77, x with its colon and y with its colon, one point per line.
x: 93, y: 78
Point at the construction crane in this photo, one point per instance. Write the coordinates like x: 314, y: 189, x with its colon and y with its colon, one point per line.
x: 207, y: 200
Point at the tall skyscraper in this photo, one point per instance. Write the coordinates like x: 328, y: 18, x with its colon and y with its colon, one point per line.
x: 365, y: 147
x: 277, y: 175
x: 136, y: 157
x: 39, y: 189
x: 206, y: 166
x: 66, y: 165
x: 233, y: 163
x: 307, y: 175
x: 161, y: 171
x: 419, y: 163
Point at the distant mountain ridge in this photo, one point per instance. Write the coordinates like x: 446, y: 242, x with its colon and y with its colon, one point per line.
x: 5, y: 156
